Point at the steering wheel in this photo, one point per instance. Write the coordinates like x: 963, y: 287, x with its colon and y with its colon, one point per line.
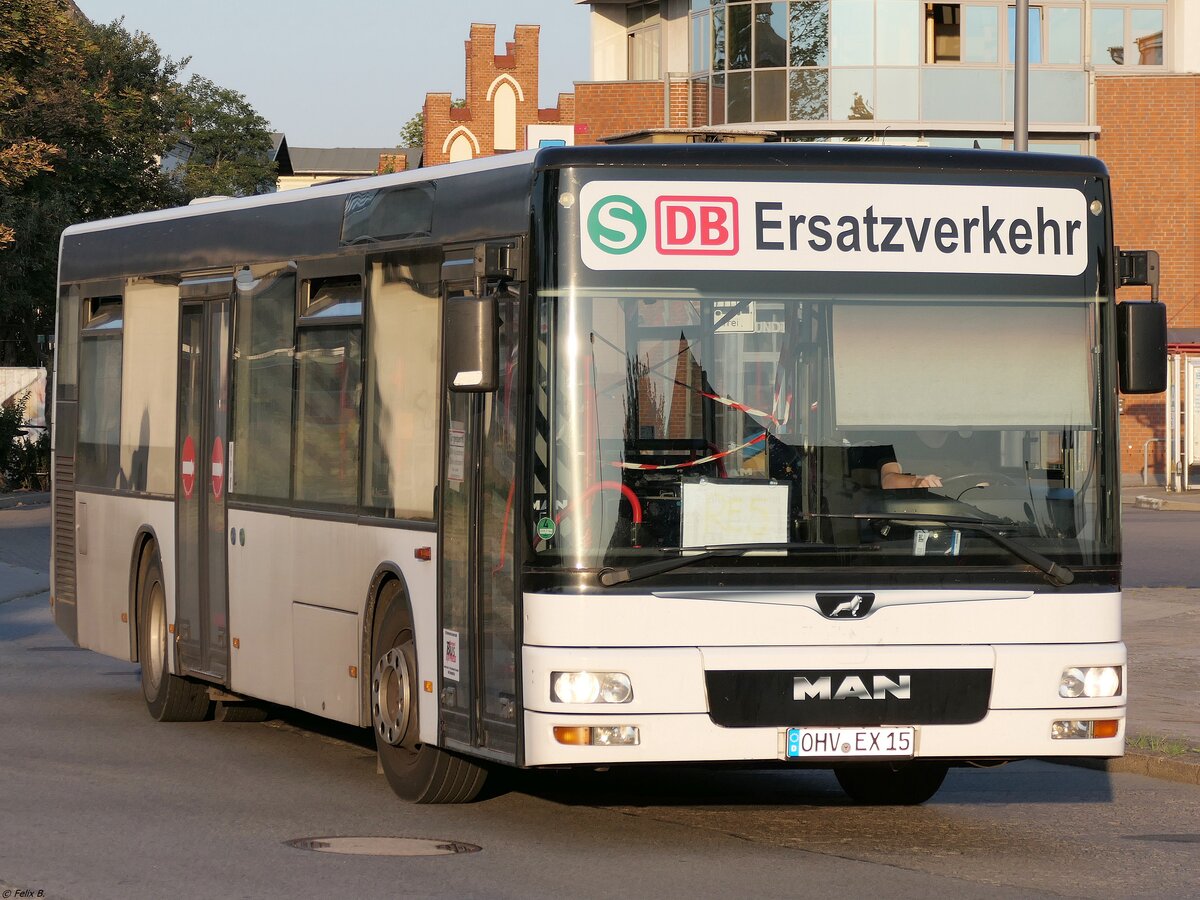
x: 990, y: 477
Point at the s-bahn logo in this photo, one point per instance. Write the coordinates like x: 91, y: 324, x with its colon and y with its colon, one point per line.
x: 616, y: 224
x: 697, y: 226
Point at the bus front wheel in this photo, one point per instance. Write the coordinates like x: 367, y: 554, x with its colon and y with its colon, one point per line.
x: 419, y: 772
x: 168, y: 697
x: 886, y: 784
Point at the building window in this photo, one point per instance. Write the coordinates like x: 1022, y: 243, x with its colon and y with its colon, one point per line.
x: 645, y: 41
x: 1128, y: 35
x: 1035, y: 35
x: 701, y: 52
x: 901, y: 60
x: 961, y: 33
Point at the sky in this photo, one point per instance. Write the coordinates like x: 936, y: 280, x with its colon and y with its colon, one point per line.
x: 348, y: 73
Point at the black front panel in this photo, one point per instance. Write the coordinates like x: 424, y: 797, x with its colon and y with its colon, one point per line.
x: 746, y: 699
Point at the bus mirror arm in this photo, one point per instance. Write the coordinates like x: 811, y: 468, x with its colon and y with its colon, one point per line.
x: 472, y: 335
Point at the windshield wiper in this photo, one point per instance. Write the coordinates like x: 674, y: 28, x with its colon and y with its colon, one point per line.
x: 610, y: 576
x: 1055, y: 571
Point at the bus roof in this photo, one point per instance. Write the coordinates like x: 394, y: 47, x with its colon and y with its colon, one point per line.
x: 477, y: 199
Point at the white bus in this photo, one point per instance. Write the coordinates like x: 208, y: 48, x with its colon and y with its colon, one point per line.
x: 798, y: 455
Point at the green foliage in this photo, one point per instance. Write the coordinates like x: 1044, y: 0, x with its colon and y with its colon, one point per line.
x: 412, y: 133
x: 87, y: 112
x: 22, y: 462
x: 232, y: 143
x: 11, y: 420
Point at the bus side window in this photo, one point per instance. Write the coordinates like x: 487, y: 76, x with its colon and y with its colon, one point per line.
x: 400, y: 456
x: 329, y: 391
x: 264, y: 344
x: 98, y: 462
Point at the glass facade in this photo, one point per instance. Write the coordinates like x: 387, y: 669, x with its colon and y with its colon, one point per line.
x: 907, y: 60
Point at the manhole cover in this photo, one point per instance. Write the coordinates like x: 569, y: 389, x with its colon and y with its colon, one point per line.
x: 383, y: 846
x: 1167, y: 838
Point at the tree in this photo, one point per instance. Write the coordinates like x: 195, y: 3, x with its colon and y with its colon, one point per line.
x: 231, y: 143
x: 412, y: 132
x: 87, y: 114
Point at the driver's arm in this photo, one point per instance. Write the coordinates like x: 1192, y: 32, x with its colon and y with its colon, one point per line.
x: 891, y: 476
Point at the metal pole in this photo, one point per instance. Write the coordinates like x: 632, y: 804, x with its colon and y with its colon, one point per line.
x: 1021, y: 79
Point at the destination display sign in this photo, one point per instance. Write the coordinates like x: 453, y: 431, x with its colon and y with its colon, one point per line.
x: 832, y: 227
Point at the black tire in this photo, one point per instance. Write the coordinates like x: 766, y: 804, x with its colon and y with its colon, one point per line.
x: 168, y: 697
x: 238, y: 712
x: 886, y: 784
x: 418, y: 772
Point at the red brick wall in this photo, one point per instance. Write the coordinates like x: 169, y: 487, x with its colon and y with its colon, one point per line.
x: 483, y: 65
x: 1150, y: 141
x: 604, y: 108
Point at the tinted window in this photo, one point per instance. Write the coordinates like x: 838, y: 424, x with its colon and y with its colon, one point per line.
x: 262, y: 372
x: 98, y: 462
x: 386, y: 214
x: 402, y: 378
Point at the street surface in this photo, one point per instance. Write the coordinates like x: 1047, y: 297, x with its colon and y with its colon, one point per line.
x: 99, y: 801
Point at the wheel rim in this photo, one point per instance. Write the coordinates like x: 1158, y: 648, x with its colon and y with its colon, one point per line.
x: 391, y: 697
x: 156, y: 632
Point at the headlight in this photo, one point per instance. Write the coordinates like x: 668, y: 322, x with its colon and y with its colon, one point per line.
x: 590, y: 687
x: 1090, y: 681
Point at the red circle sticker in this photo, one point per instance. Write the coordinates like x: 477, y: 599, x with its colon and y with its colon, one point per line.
x: 187, y: 467
x: 218, y: 468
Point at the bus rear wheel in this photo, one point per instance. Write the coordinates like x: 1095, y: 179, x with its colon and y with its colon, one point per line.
x: 418, y: 772
x: 887, y: 784
x: 168, y: 697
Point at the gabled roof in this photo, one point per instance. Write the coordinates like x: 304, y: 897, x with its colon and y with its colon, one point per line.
x: 279, y: 153
x: 346, y: 160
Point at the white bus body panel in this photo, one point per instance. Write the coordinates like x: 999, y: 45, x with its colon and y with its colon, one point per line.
x: 744, y: 618
x: 1002, y: 734
x: 106, y: 525
x: 287, y: 561
x: 666, y: 643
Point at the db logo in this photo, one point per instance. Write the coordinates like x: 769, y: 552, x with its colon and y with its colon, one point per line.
x: 706, y: 226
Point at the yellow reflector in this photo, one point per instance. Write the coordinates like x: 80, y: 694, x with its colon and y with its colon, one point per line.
x: 428, y: 687
x: 578, y: 735
x: 1105, y: 728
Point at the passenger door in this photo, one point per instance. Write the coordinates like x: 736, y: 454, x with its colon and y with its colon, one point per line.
x: 201, y: 595
x: 478, y: 483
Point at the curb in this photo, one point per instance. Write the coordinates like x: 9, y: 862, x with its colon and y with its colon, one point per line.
x: 25, y: 498
x: 1181, y: 770
x: 1142, y: 501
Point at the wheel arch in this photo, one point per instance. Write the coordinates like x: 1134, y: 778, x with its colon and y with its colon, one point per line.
x: 384, y: 573
x: 145, y: 539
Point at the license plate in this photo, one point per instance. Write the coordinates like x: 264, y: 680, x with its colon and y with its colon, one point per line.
x: 838, y: 743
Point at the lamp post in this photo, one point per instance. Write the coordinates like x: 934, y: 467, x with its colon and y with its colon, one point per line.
x: 1021, y: 79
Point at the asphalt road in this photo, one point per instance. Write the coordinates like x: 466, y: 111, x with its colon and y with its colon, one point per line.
x: 1161, y: 549
x: 99, y: 801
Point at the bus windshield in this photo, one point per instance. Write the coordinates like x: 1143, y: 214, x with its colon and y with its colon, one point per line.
x: 675, y: 419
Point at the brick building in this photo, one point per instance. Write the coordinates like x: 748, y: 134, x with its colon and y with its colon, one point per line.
x: 499, y: 112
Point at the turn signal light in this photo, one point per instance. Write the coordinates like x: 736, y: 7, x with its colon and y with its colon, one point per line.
x: 579, y: 735
x: 598, y: 735
x: 1082, y: 729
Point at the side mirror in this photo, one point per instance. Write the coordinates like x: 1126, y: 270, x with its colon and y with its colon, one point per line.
x: 1142, y: 347
x: 471, y: 345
